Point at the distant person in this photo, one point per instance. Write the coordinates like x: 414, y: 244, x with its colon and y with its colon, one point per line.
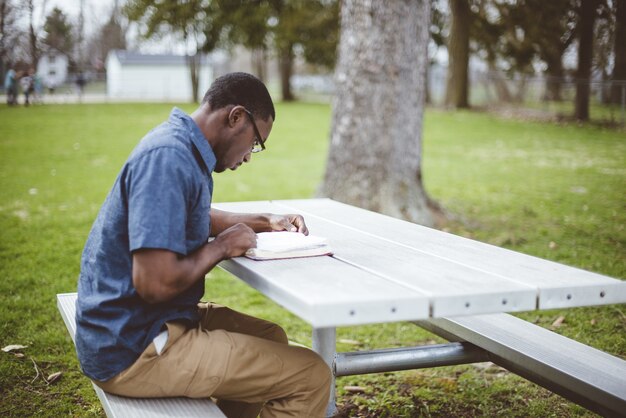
x: 37, y: 88
x: 26, y: 83
x: 80, y: 84
x: 10, y: 87
x: 51, y: 84
x: 141, y: 330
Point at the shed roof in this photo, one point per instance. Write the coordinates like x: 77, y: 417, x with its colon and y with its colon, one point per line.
x: 136, y: 58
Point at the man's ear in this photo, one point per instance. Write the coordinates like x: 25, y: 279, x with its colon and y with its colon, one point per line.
x: 235, y: 116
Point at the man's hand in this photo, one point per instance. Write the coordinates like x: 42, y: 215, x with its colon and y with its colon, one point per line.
x: 259, y: 222
x: 236, y: 240
x: 291, y: 223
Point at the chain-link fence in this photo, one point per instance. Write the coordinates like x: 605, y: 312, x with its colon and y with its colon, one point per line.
x: 537, y: 96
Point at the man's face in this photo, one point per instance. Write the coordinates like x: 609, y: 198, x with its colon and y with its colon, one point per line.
x: 238, y: 148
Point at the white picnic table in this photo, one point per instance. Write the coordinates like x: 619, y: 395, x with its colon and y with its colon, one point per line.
x: 388, y: 270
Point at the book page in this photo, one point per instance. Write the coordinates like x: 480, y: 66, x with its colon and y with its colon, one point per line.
x: 277, y: 245
x: 287, y: 241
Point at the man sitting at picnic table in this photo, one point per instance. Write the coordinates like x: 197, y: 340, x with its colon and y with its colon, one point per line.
x: 141, y: 329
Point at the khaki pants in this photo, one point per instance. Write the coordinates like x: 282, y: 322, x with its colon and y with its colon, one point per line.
x: 242, y: 361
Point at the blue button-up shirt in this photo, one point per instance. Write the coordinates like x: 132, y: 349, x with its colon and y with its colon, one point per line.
x: 161, y: 199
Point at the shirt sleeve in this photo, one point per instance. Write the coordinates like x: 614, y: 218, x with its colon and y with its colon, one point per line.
x: 159, y: 187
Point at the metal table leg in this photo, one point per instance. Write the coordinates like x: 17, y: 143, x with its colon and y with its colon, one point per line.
x: 325, y: 344
x: 390, y: 359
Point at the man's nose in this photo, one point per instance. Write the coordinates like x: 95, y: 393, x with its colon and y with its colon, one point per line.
x: 247, y: 157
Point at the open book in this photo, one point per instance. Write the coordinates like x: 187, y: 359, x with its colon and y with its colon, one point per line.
x: 275, y: 245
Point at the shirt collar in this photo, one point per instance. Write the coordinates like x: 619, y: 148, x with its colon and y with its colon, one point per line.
x: 197, y: 137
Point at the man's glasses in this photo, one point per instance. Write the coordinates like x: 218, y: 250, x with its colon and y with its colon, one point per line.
x: 258, y: 145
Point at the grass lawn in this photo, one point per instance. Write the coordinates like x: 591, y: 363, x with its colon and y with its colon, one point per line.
x: 553, y: 191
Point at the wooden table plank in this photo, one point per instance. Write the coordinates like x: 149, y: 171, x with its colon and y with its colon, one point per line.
x: 453, y: 289
x: 558, y: 285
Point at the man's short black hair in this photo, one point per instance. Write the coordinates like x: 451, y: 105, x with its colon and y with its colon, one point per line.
x: 241, y: 89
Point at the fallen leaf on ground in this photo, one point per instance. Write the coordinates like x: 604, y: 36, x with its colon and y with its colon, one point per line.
x: 19, y: 355
x: 552, y: 245
x: 54, y: 377
x: 484, y: 365
x: 593, y: 322
x: 354, y: 389
x: 557, y: 322
x: 351, y: 342
x: 13, y: 347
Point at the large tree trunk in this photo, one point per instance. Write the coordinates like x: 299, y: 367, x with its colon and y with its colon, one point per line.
x: 285, y: 63
x: 458, y: 51
x: 619, y: 48
x: 374, y: 160
x: 588, y: 10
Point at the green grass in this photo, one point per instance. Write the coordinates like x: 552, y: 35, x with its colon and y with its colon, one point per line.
x: 515, y: 184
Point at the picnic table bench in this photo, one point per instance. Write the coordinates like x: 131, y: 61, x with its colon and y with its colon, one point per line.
x: 122, y: 407
x: 387, y: 270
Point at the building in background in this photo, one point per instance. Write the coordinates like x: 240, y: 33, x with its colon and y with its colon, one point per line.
x: 135, y: 76
x: 52, y: 68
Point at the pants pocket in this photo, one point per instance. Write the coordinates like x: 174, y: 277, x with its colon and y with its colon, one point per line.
x: 211, y: 367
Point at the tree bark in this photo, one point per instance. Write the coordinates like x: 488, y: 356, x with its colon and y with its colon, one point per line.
x: 619, y: 49
x: 588, y: 11
x: 374, y: 159
x: 458, y: 52
x: 427, y: 95
x: 285, y: 63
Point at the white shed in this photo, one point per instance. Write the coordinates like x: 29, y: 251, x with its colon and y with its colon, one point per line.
x: 52, y: 68
x: 135, y: 76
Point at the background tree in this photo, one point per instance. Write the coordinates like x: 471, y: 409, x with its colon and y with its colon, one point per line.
x: 33, y: 42
x: 603, y: 33
x: 192, y: 20
x: 619, y: 52
x: 457, y: 87
x: 110, y: 36
x: 10, y: 34
x: 487, y: 32
x: 311, y: 26
x: 587, y: 15
x: 246, y: 23
x: 516, y: 42
x: 374, y: 159
x: 58, y: 32
x: 319, y: 33
x: 515, y: 46
x: 552, y: 32
x: 438, y: 18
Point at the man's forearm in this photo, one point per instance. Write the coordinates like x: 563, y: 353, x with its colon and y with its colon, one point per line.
x: 222, y: 220
x: 159, y: 275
